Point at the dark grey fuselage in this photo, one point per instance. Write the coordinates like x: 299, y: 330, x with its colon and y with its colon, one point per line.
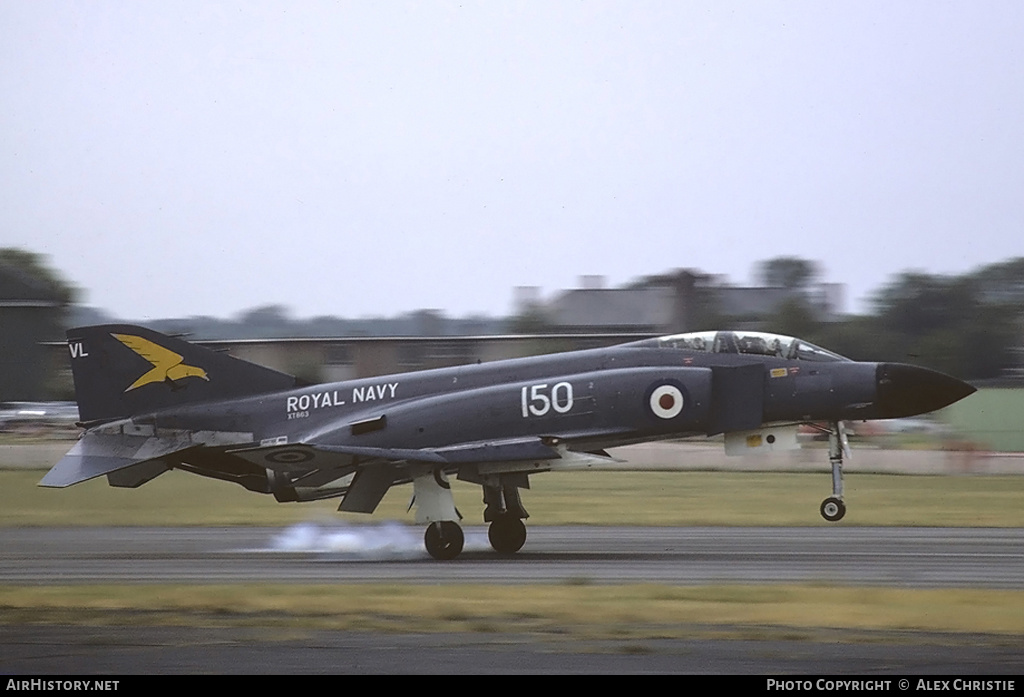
x: 151, y: 403
x: 475, y: 403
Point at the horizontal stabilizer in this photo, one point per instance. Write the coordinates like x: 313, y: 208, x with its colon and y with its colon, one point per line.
x: 138, y: 474
x: 97, y: 454
x: 73, y: 469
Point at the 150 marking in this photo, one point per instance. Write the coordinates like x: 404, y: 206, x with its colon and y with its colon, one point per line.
x: 537, y: 400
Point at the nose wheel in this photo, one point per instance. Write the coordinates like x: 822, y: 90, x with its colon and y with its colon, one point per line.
x: 833, y: 509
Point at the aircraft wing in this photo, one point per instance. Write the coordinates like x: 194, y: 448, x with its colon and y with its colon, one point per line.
x: 300, y: 471
x: 305, y: 456
x: 362, y: 474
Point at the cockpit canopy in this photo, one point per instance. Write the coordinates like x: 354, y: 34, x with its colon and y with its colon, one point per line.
x: 755, y: 343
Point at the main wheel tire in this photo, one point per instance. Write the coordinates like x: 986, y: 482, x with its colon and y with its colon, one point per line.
x: 833, y: 509
x: 444, y: 540
x: 507, y: 534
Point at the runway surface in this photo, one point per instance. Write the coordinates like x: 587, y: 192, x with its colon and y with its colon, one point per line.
x: 909, y: 557
x: 393, y: 553
x: 147, y: 651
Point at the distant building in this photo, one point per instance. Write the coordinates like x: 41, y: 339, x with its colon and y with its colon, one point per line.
x: 679, y: 301
x: 30, y: 313
x: 648, y: 310
x: 754, y: 304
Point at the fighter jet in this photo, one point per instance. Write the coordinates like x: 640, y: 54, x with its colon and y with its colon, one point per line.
x: 150, y: 403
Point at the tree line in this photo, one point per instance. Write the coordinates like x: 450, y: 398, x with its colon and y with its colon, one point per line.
x: 969, y: 325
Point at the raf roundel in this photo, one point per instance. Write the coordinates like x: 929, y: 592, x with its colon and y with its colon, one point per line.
x: 666, y: 401
x: 289, y: 456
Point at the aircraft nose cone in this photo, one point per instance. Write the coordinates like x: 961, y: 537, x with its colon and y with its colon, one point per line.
x: 907, y: 390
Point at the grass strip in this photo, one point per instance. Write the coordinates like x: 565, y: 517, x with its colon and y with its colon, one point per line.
x: 587, y: 498
x: 636, y: 611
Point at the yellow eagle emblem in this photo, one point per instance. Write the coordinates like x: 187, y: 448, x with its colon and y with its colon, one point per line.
x: 167, y: 365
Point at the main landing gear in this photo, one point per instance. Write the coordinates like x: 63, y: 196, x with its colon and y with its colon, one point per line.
x: 444, y: 539
x: 504, y: 511
x: 507, y: 534
x: 833, y: 508
x: 432, y: 496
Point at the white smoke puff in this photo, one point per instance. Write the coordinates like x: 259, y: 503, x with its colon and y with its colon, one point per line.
x: 297, y: 538
x: 476, y: 542
x: 388, y: 540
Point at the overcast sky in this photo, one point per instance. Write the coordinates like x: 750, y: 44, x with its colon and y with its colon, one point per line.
x: 371, y: 158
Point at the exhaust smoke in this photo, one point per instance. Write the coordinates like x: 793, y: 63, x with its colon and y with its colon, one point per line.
x: 384, y: 541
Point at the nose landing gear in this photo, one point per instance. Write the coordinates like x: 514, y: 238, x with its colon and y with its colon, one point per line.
x: 833, y: 508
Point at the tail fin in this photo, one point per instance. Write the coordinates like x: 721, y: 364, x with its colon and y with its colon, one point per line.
x: 121, y: 371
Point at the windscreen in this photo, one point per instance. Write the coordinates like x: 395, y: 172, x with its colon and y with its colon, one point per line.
x: 751, y: 343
